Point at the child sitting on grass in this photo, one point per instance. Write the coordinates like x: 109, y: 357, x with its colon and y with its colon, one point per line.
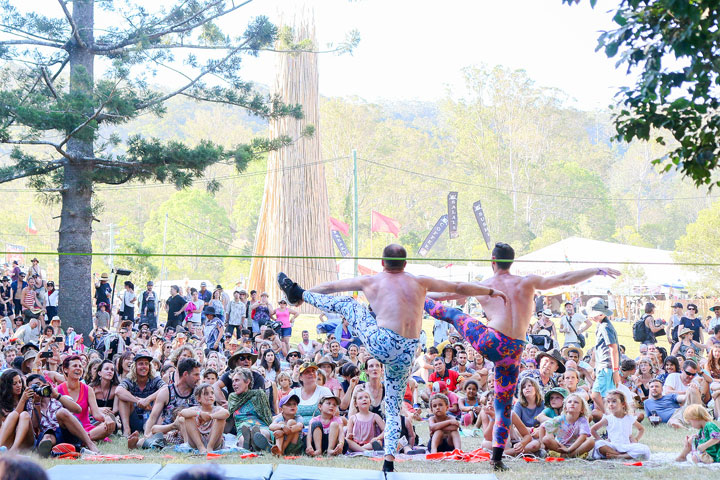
x: 569, y: 433
x: 621, y: 444
x: 554, y: 399
x: 444, y: 429
x: 529, y: 404
x: 326, y: 430
x: 287, y: 427
x: 204, y: 423
x: 520, y: 442
x: 470, y: 405
x: 364, y: 429
x: 703, y: 447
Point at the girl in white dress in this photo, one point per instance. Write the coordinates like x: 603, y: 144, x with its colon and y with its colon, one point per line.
x: 619, y: 423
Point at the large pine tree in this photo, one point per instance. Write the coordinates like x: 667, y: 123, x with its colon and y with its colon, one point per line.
x: 65, y: 79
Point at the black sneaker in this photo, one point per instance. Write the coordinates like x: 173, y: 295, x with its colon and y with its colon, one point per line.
x: 292, y: 290
x: 499, y: 466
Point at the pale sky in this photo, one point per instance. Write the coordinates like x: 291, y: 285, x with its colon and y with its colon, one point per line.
x: 415, y: 49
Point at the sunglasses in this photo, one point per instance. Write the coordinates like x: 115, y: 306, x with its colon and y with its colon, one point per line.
x: 293, y: 355
x: 690, y: 374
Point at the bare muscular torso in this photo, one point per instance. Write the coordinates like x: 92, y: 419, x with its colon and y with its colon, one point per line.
x: 397, y: 300
x: 511, y: 319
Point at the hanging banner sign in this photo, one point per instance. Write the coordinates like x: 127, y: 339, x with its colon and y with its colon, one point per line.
x: 433, y: 236
x: 15, y: 252
x: 482, y: 222
x: 340, y: 243
x: 452, y: 214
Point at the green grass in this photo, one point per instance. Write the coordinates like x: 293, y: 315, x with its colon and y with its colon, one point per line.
x: 661, y: 439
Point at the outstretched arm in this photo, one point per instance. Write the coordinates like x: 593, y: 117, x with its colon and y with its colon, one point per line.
x: 346, y: 285
x: 465, y: 289
x: 570, y: 278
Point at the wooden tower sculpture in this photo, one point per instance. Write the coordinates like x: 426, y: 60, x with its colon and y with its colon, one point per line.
x: 294, y: 217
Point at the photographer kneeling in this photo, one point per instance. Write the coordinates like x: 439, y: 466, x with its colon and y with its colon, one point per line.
x: 52, y: 418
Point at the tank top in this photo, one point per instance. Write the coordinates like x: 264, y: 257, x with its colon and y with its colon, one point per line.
x: 84, y: 415
x: 106, y: 402
x: 363, y: 431
x: 29, y: 298
x: 175, y: 401
x: 283, y: 317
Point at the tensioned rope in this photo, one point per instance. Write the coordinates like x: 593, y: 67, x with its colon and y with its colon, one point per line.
x: 332, y: 257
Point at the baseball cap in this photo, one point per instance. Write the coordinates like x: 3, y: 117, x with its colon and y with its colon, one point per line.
x: 287, y: 398
x: 203, y: 284
x: 150, y: 283
x: 439, y: 386
x: 677, y: 305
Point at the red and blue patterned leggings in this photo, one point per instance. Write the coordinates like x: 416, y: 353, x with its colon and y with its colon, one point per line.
x: 500, y: 349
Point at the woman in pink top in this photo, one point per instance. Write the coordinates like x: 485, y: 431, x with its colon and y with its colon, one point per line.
x: 85, y: 397
x: 286, y: 316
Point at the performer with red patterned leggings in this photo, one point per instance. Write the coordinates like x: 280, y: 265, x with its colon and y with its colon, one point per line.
x: 503, y: 338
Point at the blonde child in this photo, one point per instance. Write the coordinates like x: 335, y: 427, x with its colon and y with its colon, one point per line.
x: 204, y: 423
x: 444, y: 429
x: 572, y: 383
x: 619, y: 423
x: 326, y: 430
x: 703, y: 447
x: 287, y: 427
x: 569, y: 433
x: 364, y: 429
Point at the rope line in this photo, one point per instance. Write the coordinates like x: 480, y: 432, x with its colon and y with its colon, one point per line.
x: 331, y: 257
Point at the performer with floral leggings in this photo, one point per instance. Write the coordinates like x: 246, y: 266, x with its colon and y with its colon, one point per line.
x: 502, y: 339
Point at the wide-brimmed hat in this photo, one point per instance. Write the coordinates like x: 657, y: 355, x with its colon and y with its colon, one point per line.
x: 685, y: 331
x: 327, y: 360
x: 555, y: 355
x: 104, y: 276
x: 29, y: 355
x: 449, y: 346
x: 209, y: 310
x: 29, y: 346
x: 34, y: 259
x: 558, y: 390
x: 547, y: 313
x: 307, y: 366
x: 294, y: 350
x: 232, y: 361
x: 574, y: 349
x: 712, y: 309
x: 55, y: 318
x: 597, y: 306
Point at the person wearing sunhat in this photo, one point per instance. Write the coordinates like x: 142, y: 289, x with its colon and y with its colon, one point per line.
x: 55, y: 323
x: 243, y: 358
x: 714, y: 321
x: 6, y: 304
x: 554, y: 399
x: 309, y: 392
x: 102, y: 289
x: 213, y: 330
x: 686, y: 346
x: 550, y: 365
x: 607, y: 354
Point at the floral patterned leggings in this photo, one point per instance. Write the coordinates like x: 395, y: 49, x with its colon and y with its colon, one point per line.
x: 500, y: 349
x: 390, y: 348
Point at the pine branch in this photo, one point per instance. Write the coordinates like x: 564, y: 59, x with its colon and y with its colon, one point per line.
x: 180, y: 90
x: 119, y: 47
x: 49, y: 82
x: 75, y: 32
x: 32, y: 42
x: 23, y: 33
x: 91, y: 117
x: 57, y: 147
x: 9, y: 174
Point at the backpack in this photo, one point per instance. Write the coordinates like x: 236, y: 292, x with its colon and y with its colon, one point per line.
x: 640, y: 331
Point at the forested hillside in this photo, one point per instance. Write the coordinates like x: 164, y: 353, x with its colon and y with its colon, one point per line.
x: 543, y: 171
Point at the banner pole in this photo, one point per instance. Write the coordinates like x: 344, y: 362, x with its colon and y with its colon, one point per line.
x: 356, y: 251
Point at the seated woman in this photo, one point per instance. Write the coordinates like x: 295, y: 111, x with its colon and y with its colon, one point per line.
x: 251, y: 411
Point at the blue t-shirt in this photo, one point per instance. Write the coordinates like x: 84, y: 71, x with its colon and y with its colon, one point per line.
x: 693, y: 324
x: 664, y: 406
x: 527, y: 415
x: 606, y: 336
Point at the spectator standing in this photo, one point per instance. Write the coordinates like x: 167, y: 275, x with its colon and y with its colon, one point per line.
x: 148, y: 307
x: 607, y: 355
x: 129, y: 301
x: 691, y: 321
x: 102, y: 289
x: 674, y: 322
x: 237, y: 313
x: 175, y: 306
x: 573, y: 324
x: 52, y: 300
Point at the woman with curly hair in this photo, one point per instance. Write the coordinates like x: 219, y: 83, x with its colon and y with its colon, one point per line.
x: 645, y: 373
x: 713, y: 367
x: 91, y: 371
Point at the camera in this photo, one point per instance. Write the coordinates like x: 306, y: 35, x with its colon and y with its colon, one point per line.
x: 654, y: 419
x: 42, y: 390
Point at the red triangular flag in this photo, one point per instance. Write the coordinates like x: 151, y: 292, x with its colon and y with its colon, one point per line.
x: 341, y: 227
x: 381, y: 223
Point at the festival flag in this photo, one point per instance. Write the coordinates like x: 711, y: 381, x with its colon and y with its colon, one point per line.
x: 433, y: 236
x: 340, y: 243
x: 31, y: 226
x: 339, y: 226
x: 452, y: 214
x: 381, y: 223
x: 482, y: 222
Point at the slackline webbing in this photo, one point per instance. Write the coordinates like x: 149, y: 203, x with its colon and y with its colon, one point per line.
x: 331, y: 257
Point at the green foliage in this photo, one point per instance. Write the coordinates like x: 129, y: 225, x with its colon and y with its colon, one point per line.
x: 678, y: 95
x: 701, y: 244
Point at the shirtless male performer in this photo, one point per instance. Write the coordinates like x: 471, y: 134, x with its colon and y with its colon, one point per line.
x: 503, y: 339
x: 397, y: 300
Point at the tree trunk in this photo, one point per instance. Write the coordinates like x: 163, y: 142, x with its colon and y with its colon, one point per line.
x: 75, y: 235
x: 294, y: 217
